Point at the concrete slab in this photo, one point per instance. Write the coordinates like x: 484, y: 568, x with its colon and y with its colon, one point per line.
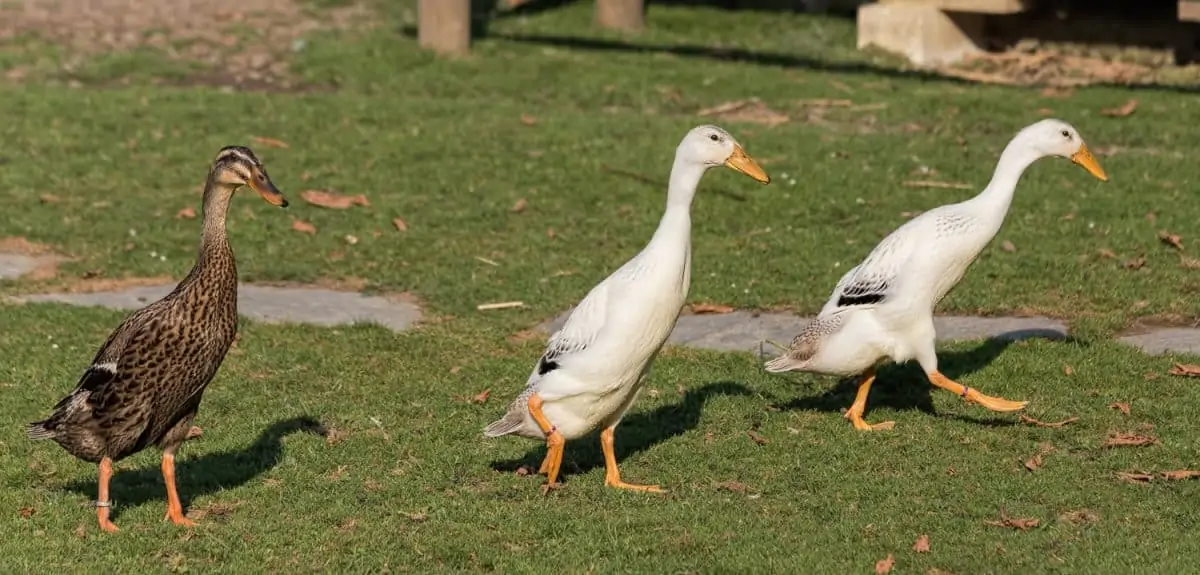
x: 13, y: 266
x: 1163, y: 340
x: 269, y: 304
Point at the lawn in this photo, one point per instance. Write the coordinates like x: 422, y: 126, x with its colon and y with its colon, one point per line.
x: 359, y: 450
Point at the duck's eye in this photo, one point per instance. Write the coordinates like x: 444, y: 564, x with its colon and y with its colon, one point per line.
x: 1066, y: 134
x: 714, y: 137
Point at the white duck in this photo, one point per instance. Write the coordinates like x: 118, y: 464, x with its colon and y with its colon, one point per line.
x: 883, y: 308
x: 593, y: 368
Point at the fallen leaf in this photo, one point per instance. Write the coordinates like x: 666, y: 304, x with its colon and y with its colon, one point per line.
x: 702, y: 308
x: 1013, y: 522
x: 269, y: 142
x: 1079, y: 516
x: 1057, y: 92
x: 1126, y: 109
x: 416, y: 517
x: 1032, y: 421
x: 188, y: 213
x: 194, y: 432
x: 1129, y: 440
x: 922, y: 544
x: 528, y: 120
x: 482, y: 396
x: 50, y: 199
x: 884, y: 566
x: 1122, y: 407
x: 1189, y: 263
x: 708, y: 437
x: 1180, y: 474
x: 351, y: 239
x: 1130, y: 477
x: 733, y: 486
x: 25, y: 512
x: 81, y: 531
x: 347, y: 525
x: 334, y: 436
x: 1107, y: 253
x: 1045, y: 111
x: 519, y: 206
x: 1034, y: 463
x: 303, y: 226
x: 333, y: 200
x: 757, y: 438
x: 1185, y: 369
x: 1173, y: 240
x: 1136, y: 263
x: 1008, y: 246
x: 400, y: 225
x: 1068, y: 370
x: 454, y: 370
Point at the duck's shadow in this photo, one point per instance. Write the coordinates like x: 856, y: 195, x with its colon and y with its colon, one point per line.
x: 905, y: 387
x: 203, y: 475
x: 636, y: 433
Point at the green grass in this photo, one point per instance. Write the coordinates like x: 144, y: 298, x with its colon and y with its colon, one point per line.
x: 441, y: 144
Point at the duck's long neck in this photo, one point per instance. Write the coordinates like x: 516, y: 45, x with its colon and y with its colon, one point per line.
x: 675, y: 227
x: 216, y: 257
x: 994, y: 200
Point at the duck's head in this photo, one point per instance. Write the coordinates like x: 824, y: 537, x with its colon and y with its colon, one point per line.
x: 237, y: 166
x: 1052, y: 137
x: 711, y: 146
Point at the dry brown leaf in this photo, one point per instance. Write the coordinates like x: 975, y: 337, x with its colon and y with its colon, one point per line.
x: 922, y: 544
x: 519, y: 206
x: 1173, y: 240
x: 757, y: 438
x: 194, y: 432
x: 1189, y: 263
x: 1119, y: 406
x: 1078, y: 516
x: 1126, y: 109
x: 1068, y: 370
x: 1180, y: 474
x: 81, y: 531
x: 401, y: 226
x: 482, y: 396
x: 1057, y: 92
x: 748, y: 110
x: 26, y: 512
x: 270, y: 142
x: 454, y: 370
x: 935, y: 184
x: 333, y: 200
x: 1185, y: 369
x: 714, y: 308
x: 1136, y: 263
x: 528, y: 120
x: 734, y: 486
x: 1032, y: 421
x: 50, y: 199
x: 188, y: 213
x: 1013, y: 522
x: 1034, y: 463
x: 347, y: 525
x: 1129, y: 440
x: 303, y: 226
x: 884, y: 566
x: 1132, y: 477
x: 1008, y: 246
x: 1107, y: 253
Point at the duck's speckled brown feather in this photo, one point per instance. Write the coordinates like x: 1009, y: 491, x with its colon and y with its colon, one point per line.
x: 145, y: 384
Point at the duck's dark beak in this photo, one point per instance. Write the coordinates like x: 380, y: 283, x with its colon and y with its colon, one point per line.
x: 261, y: 183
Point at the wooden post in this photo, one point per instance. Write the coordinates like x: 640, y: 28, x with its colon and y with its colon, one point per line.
x: 444, y: 26
x: 627, y: 15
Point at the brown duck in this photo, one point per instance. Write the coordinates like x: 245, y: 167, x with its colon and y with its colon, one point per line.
x: 144, y: 385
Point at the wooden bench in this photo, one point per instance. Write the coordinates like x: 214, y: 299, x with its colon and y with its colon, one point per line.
x: 937, y: 32
x: 444, y: 26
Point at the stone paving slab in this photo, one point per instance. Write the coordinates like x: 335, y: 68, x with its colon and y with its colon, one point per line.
x: 746, y: 331
x: 13, y: 266
x: 269, y: 304
x: 1164, y: 340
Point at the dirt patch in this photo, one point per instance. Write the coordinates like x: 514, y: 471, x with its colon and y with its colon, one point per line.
x: 1066, y: 66
x: 32, y: 261
x: 245, y: 43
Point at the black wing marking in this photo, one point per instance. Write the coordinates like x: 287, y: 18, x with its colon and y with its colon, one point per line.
x: 863, y: 294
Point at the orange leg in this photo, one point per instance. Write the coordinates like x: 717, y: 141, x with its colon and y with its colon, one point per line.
x: 612, y: 475
x: 973, y: 396
x: 855, y: 413
x: 554, y: 444
x: 103, y: 503
x: 174, y: 507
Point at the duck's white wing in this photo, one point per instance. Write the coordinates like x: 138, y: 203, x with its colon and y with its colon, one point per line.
x: 580, y: 330
x: 877, y: 278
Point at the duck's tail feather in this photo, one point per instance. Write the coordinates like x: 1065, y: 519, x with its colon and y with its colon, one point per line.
x: 40, y: 430
x: 781, y: 364
x: 512, y: 421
